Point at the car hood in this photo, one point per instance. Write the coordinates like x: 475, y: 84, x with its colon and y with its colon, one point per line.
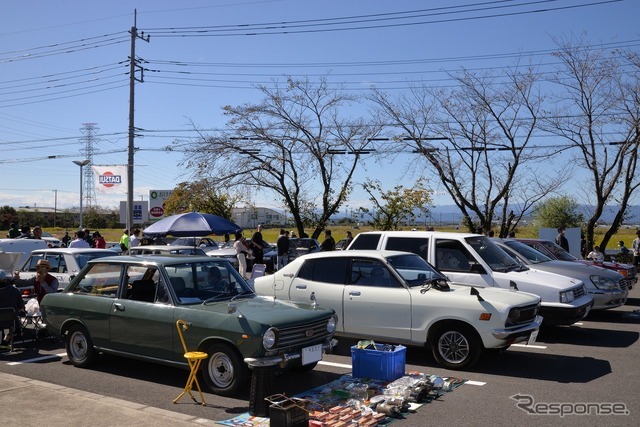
x: 502, y: 296
x: 268, y: 311
x: 578, y: 270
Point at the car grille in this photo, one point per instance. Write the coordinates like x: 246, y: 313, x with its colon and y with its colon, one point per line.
x: 523, y: 315
x: 623, y: 284
x: 302, y: 335
x: 579, y: 292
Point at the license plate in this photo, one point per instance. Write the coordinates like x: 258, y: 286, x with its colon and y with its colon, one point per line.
x: 532, y: 338
x: 311, y: 354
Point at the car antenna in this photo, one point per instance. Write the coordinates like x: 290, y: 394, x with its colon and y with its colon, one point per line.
x: 475, y: 292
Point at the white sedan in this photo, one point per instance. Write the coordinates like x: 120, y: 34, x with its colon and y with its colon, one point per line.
x: 398, y: 297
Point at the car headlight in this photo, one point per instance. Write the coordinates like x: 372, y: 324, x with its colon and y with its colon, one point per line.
x: 331, y: 324
x: 567, y: 296
x: 269, y: 338
x: 603, y: 283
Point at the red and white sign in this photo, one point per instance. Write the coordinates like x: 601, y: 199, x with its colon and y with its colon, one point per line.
x: 110, y: 179
x: 156, y: 212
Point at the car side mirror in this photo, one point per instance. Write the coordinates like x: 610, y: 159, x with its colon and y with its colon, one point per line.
x: 474, y: 267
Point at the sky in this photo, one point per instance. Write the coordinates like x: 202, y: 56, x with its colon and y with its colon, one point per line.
x: 64, y: 64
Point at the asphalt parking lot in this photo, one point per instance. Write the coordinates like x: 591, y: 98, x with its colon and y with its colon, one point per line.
x: 586, y: 374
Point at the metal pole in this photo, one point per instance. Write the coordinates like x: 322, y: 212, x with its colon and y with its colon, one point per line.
x: 81, y: 166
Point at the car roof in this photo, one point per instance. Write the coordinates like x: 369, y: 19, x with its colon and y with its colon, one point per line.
x: 419, y: 233
x: 156, y: 259
x: 165, y: 247
x: 356, y: 253
x: 70, y: 250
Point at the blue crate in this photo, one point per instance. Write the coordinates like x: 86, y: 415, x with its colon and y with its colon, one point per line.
x: 378, y: 364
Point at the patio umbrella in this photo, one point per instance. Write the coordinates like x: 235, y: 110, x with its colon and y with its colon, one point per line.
x: 191, y: 224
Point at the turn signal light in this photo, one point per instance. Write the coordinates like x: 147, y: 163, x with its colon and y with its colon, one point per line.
x: 485, y: 316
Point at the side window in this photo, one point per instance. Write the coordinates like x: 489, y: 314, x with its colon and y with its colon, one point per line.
x: 326, y: 270
x: 33, y: 260
x: 416, y: 245
x: 365, y: 272
x: 365, y: 241
x: 57, y: 264
x: 100, y: 280
x: 142, y: 283
x: 451, y: 255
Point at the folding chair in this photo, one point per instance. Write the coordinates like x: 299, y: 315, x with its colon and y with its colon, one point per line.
x: 258, y: 270
x: 8, y: 321
x: 194, y: 358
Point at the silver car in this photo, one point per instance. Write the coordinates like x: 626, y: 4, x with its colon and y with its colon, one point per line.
x: 607, y: 288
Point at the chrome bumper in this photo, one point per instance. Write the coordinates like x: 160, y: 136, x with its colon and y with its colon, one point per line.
x: 505, y: 334
x: 283, y: 359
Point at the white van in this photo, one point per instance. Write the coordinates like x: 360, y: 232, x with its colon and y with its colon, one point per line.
x: 23, y: 246
x: 474, y: 260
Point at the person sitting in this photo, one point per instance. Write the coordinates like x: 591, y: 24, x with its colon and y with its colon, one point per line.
x: 596, y: 255
x: 215, y: 281
x: 10, y: 297
x: 43, y: 283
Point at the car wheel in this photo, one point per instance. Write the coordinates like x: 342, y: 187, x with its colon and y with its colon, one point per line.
x: 456, y: 346
x: 79, y: 347
x: 225, y: 373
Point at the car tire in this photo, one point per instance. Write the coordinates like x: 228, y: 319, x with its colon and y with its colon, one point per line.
x: 225, y: 373
x: 456, y: 346
x: 79, y: 347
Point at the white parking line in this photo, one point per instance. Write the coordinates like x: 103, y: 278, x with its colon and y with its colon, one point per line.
x: 345, y: 366
x: 542, y: 347
x: 38, y: 359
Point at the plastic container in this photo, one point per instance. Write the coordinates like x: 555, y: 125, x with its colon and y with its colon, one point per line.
x: 378, y: 364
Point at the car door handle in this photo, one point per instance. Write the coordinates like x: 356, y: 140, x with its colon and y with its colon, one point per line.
x: 118, y: 307
x: 354, y: 293
x: 301, y: 286
x: 288, y: 275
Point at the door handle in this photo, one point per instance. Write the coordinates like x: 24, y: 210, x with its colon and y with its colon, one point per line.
x: 301, y: 286
x: 354, y: 293
x: 118, y: 307
x: 288, y: 275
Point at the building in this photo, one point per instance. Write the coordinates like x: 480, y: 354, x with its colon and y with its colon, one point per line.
x: 251, y: 216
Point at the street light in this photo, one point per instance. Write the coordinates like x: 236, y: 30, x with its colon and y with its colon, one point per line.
x: 81, y: 163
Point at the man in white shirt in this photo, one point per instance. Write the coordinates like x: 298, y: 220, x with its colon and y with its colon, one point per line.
x: 79, y: 242
x: 135, y: 239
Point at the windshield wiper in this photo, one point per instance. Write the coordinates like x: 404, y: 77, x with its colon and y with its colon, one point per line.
x: 215, y: 297
x: 243, y: 293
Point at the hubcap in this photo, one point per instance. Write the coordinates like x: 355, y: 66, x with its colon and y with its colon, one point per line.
x: 454, y: 347
x: 221, y: 370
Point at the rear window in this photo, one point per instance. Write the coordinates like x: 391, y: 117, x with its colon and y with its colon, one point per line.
x: 365, y: 241
x: 416, y: 245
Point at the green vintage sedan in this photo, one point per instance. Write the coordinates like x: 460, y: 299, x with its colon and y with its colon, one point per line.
x: 128, y: 306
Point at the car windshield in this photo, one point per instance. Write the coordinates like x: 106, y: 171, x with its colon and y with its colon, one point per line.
x: 534, y: 256
x: 413, y: 269
x: 197, y: 282
x: 494, y: 256
x: 195, y: 241
x: 558, y: 252
x: 83, y: 258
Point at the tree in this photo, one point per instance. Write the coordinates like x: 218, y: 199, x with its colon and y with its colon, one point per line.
x: 476, y: 137
x: 394, y: 206
x: 200, y: 196
x: 598, y: 114
x: 556, y: 212
x: 7, y: 216
x: 291, y: 143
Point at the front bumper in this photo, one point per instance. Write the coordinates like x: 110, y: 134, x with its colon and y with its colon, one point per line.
x: 562, y: 316
x: 283, y: 360
x: 608, y: 299
x: 519, y: 334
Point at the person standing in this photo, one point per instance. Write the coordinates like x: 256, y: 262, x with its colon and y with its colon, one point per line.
x: 283, y: 249
x: 124, y: 241
x: 43, y: 283
x: 596, y: 255
x: 99, y: 241
x: 561, y: 240
x: 328, y: 244
x: 10, y: 296
x: 241, y: 253
x: 635, y: 247
x: 257, y: 245
x: 349, y: 240
x: 66, y: 239
x: 89, y: 238
x: 14, y: 231
x: 79, y: 242
x: 135, y: 239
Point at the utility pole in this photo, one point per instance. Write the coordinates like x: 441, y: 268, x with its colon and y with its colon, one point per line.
x: 133, y: 66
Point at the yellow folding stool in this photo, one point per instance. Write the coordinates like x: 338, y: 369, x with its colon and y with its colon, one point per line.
x: 194, y: 358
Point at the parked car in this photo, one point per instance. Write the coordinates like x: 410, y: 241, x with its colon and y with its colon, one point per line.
x: 65, y: 264
x: 474, y: 260
x: 22, y: 246
x: 129, y: 305
x: 554, y: 251
x: 52, y: 241
x: 298, y: 246
x: 206, y: 243
x: 166, y: 250
x: 228, y: 252
x: 607, y: 288
x: 397, y: 297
